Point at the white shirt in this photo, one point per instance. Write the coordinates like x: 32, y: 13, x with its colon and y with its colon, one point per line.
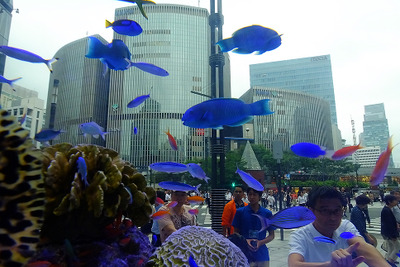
x: 396, y: 213
x: 302, y: 242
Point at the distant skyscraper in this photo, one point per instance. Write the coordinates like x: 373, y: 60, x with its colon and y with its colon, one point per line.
x: 6, y: 7
x: 298, y: 117
x: 176, y: 38
x: 312, y: 75
x: 78, y: 93
x: 375, y: 127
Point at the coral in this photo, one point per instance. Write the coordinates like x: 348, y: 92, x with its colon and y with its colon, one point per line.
x: 132, y: 250
x: 83, y: 206
x: 207, y: 248
x: 21, y: 193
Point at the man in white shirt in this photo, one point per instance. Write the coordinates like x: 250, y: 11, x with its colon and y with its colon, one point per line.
x: 327, y: 204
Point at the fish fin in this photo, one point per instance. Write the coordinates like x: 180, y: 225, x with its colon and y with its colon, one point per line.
x: 142, y: 10
x: 108, y: 24
x: 95, y: 136
x: 103, y: 135
x: 207, y: 179
x: 12, y: 82
x: 226, y: 45
x: 263, y: 221
x: 49, y: 62
x: 241, y: 51
x: 260, y: 107
x: 96, y: 49
x: 243, y: 121
x: 329, y: 154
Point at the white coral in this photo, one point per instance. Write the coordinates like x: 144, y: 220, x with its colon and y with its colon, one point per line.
x: 207, y: 247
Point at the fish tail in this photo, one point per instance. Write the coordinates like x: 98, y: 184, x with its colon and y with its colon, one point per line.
x: 264, y: 225
x: 95, y: 48
x: 226, y: 45
x: 103, y: 135
x: 50, y: 62
x: 260, y: 107
x: 12, y: 82
x: 108, y: 24
x: 207, y: 179
x: 197, y: 189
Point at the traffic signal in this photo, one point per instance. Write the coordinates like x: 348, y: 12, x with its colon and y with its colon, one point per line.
x: 233, y: 184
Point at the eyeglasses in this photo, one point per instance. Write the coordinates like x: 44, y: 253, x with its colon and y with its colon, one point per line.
x: 335, y: 212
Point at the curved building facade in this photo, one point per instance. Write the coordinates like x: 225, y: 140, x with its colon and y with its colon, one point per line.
x: 177, y: 39
x: 78, y: 93
x: 298, y: 117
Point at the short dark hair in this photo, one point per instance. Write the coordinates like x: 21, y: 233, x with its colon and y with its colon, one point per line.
x: 241, y: 186
x: 324, y: 192
x: 252, y: 189
x: 389, y: 198
x: 362, y: 200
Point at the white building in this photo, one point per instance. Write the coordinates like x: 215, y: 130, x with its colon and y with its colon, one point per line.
x: 367, y: 156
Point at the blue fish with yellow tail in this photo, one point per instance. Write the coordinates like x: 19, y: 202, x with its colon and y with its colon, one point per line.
x: 114, y: 55
x: 9, y: 82
x: 150, y: 68
x: 140, y: 5
x: 219, y: 112
x: 289, y: 218
x: 308, y: 150
x: 254, y: 38
x: 169, y: 167
x: 125, y: 27
x: 177, y: 186
x: 27, y: 56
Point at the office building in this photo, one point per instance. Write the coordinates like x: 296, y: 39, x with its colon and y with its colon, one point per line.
x: 298, y: 117
x: 312, y: 75
x: 177, y: 39
x: 375, y: 128
x: 6, y: 8
x: 367, y: 156
x: 24, y: 101
x: 78, y: 93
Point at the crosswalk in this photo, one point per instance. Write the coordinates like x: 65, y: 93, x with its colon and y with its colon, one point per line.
x: 375, y: 228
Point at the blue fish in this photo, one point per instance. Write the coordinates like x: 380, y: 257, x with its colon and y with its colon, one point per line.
x: 127, y: 189
x: 154, y: 240
x: 308, y: 150
x: 347, y: 235
x: 150, y: 68
x: 324, y: 239
x: 250, y: 180
x: 125, y: 27
x: 176, y: 186
x: 169, y: 167
x: 9, y: 82
x: 82, y: 170
x: 289, y: 218
x: 137, y: 101
x: 197, y: 172
x: 217, y: 112
x: 114, y: 55
x: 254, y: 38
x: 27, y: 56
x: 93, y: 129
x: 139, y: 4
x: 47, y: 135
x: 135, y: 131
x: 192, y: 262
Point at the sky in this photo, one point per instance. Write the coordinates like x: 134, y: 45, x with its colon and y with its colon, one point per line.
x: 361, y: 36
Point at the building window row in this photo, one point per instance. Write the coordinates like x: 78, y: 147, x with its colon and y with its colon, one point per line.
x: 157, y: 31
x: 152, y: 55
x: 153, y: 43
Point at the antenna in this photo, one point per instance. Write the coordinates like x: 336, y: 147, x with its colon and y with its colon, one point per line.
x: 353, y: 129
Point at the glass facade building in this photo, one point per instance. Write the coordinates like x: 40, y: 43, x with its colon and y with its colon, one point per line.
x: 375, y: 127
x: 177, y: 39
x: 312, y: 75
x: 298, y: 117
x: 6, y: 7
x: 78, y: 93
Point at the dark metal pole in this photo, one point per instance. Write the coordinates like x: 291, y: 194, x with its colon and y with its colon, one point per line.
x: 279, y: 182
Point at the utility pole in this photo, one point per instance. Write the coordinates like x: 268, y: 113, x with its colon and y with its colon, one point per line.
x: 277, y: 152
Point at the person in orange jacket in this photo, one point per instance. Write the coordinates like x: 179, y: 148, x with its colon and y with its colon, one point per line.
x: 230, y: 210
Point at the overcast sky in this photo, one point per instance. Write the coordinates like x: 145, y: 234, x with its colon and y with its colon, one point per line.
x: 362, y: 37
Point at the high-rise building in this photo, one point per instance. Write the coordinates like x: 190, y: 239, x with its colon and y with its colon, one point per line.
x: 177, y: 39
x: 367, y: 156
x: 298, y: 117
x: 312, y: 75
x: 375, y: 127
x: 78, y: 93
x: 6, y: 7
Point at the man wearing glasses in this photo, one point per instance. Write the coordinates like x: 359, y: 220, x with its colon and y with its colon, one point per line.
x: 327, y: 204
